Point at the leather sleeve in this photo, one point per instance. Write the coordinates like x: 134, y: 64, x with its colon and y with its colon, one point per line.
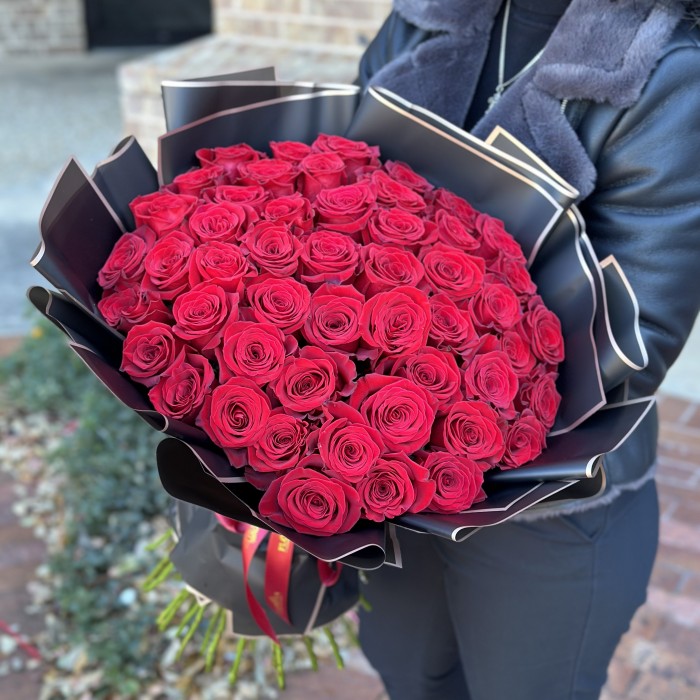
x: 645, y: 209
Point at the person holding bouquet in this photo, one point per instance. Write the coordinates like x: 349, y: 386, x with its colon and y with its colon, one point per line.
x: 606, y: 93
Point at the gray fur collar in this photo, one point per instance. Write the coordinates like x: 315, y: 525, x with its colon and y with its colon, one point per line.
x: 601, y: 50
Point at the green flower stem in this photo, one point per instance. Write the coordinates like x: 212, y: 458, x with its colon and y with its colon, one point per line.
x: 166, y: 617
x: 312, y: 654
x: 214, y: 644
x: 350, y: 630
x: 162, y: 570
x: 364, y: 603
x: 233, y: 674
x: 161, y: 540
x: 192, y: 629
x: 278, y: 664
x: 207, y: 635
x: 191, y: 612
x: 334, y: 646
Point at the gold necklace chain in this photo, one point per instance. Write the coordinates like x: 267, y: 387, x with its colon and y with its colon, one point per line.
x: 502, y: 83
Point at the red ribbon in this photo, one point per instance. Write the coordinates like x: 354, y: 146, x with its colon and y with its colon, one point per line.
x: 278, y: 571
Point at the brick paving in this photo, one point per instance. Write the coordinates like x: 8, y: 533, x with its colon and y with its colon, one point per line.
x: 657, y: 659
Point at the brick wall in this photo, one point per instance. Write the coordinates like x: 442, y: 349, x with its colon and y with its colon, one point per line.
x: 40, y: 26
x: 346, y: 26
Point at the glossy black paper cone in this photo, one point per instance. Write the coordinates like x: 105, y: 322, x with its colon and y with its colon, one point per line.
x: 208, y: 557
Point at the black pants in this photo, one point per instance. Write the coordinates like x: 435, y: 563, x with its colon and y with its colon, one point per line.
x: 520, y: 611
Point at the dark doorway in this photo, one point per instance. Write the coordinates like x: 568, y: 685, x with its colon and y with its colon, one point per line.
x: 145, y: 22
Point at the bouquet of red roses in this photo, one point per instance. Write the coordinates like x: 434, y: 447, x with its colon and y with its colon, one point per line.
x: 344, y: 313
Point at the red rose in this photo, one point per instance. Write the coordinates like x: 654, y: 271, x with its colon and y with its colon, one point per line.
x: 545, y: 399
x: 458, y: 482
x: 124, y: 266
x: 201, y: 314
x: 125, y: 308
x: 276, y: 176
x: 309, y: 380
x: 223, y: 222
x: 514, y: 274
x: 346, y: 209
x: 398, y: 227
x: 386, y: 267
x: 471, y: 429
x: 162, y: 212
x: 223, y: 264
x: 181, y: 389
x: 293, y: 210
x: 399, y: 410
x: 525, y: 440
x: 235, y: 414
x: 391, y: 193
x: 253, y: 350
x: 281, y: 445
x: 434, y: 371
x: 198, y: 179
x: 149, y: 349
x: 311, y: 503
x: 329, y: 257
x: 396, y: 321
x: 490, y: 377
x: 393, y: 486
x: 455, y: 205
x: 542, y: 329
x: 356, y: 155
x: 348, y: 446
x: 407, y: 176
x: 495, y: 240
x: 518, y: 350
x: 320, y: 171
x: 451, y: 328
x: 496, y: 306
x: 248, y: 196
x: 293, y: 151
x: 451, y: 231
x: 228, y: 157
x: 282, y: 302
x: 333, y: 322
x: 167, y: 265
x: 453, y: 272
x: 273, y: 248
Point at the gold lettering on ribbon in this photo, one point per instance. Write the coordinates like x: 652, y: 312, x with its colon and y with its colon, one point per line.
x: 275, y: 600
x: 283, y: 544
x: 251, y: 534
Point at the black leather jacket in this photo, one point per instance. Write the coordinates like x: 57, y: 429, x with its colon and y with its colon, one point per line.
x: 645, y: 209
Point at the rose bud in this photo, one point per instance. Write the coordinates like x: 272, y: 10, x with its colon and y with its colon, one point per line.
x: 396, y: 321
x: 320, y: 171
x: 235, y: 414
x: 525, y: 440
x: 357, y: 155
x: 452, y: 272
x: 294, y: 210
x: 470, y: 429
x: 278, y: 177
x: 149, y: 349
x: 391, y: 193
x: 348, y: 446
x: 223, y: 222
x: 201, y: 314
x: 451, y: 328
x: 545, y: 399
x: 253, y: 350
x: 387, y: 267
x: 293, y: 151
x: 223, y: 264
x: 250, y: 197
x: 514, y: 274
x: 333, y: 322
x: 495, y: 240
x: 128, y: 307
x: 282, y: 302
x: 458, y: 482
x: 329, y: 257
x: 400, y: 228
x: 346, y: 209
x: 518, y: 350
x: 198, y: 179
x: 182, y: 388
x: 393, y: 486
x: 496, y: 306
x: 162, y: 212
x: 310, y: 502
x: 228, y: 157
x: 281, y: 445
x: 273, y: 248
x: 166, y: 266
x: 401, y: 412
x: 407, y: 176
x: 451, y: 231
x: 455, y: 205
x: 124, y: 266
x: 490, y: 377
x: 543, y: 329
